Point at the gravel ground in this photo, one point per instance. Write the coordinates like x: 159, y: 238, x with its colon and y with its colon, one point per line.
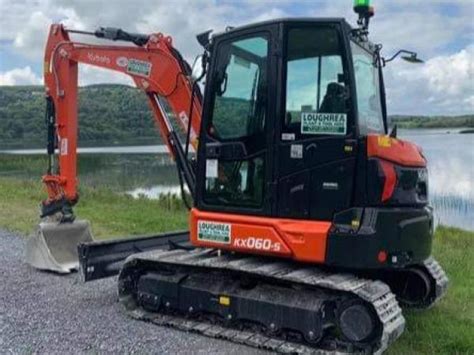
x: 45, y: 313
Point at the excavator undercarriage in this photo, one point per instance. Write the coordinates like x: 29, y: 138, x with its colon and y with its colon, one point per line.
x: 260, y: 301
x: 283, y: 305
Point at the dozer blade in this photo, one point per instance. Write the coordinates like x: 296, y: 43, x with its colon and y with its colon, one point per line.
x: 53, y: 247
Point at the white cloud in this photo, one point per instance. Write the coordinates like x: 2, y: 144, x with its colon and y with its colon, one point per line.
x: 87, y: 75
x: 20, y: 76
x: 12, y: 16
x: 27, y: 41
x: 91, y: 75
x: 25, y: 24
x: 184, y: 19
x: 447, y: 74
x: 417, y: 25
x: 443, y: 85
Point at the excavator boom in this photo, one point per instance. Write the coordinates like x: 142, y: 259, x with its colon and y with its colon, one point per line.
x: 154, y: 65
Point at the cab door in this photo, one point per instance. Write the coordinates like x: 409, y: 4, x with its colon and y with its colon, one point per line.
x: 317, y: 145
x: 234, y: 154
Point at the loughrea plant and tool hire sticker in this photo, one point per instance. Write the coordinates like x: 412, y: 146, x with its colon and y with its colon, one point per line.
x: 139, y: 67
x: 214, y: 232
x: 323, y: 123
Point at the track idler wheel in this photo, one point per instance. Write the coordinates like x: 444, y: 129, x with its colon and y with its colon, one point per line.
x: 356, y: 321
x: 412, y: 287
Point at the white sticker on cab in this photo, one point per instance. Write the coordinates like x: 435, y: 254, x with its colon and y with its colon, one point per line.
x: 215, y: 232
x: 212, y: 168
x: 323, y: 123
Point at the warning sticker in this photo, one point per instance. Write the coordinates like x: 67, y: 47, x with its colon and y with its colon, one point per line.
x: 296, y: 151
x: 212, y: 169
x: 214, y: 232
x: 64, y: 146
x: 139, y: 67
x: 323, y: 123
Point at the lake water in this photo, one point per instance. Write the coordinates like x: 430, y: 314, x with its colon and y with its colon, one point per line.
x: 451, y: 173
x: 147, y: 171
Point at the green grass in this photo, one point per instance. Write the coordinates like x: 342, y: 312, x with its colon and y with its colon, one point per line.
x: 110, y: 213
x: 448, y: 328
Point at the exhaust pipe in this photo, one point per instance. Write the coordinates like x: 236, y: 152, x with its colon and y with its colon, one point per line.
x: 53, y: 246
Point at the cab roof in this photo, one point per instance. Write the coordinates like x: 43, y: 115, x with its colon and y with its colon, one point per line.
x: 287, y: 21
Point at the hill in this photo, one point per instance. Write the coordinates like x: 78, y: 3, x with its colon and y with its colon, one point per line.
x: 118, y: 115
x: 108, y: 114
x: 433, y: 121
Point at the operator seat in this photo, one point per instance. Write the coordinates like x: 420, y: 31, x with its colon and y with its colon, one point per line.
x: 333, y: 101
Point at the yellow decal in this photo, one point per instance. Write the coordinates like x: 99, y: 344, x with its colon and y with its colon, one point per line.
x: 224, y: 300
x: 46, y: 67
x: 384, y: 141
x: 355, y: 223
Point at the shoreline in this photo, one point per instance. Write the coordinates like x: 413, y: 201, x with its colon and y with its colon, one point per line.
x: 142, y: 147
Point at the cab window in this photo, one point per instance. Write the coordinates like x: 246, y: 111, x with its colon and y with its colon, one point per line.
x: 369, y: 106
x: 315, y: 87
x: 239, y: 112
x: 239, y: 105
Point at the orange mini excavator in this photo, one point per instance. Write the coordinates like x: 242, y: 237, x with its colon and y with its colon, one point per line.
x: 310, y: 223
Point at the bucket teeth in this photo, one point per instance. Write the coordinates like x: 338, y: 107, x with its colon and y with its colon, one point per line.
x: 53, y: 246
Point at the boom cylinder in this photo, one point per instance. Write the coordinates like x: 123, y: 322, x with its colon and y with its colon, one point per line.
x: 51, y: 135
x: 116, y: 34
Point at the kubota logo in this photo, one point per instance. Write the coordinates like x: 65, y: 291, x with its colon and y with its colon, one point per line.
x: 102, y: 59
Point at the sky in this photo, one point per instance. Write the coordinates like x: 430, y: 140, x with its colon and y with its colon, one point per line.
x: 442, y: 32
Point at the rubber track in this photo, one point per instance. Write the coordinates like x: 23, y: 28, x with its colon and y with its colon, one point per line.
x: 375, y: 292
x: 437, y: 273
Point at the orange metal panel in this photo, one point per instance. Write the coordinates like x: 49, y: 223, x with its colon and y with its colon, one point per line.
x: 395, y: 150
x: 295, y: 239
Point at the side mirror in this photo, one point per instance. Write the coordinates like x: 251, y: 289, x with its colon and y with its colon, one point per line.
x: 199, y: 68
x: 410, y: 57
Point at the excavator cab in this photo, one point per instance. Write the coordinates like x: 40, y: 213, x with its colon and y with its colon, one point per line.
x: 279, y: 101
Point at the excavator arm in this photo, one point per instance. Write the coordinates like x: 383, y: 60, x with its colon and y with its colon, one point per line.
x: 155, y: 66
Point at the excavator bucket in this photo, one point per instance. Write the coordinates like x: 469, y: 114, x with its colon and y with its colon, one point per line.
x: 53, y: 247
